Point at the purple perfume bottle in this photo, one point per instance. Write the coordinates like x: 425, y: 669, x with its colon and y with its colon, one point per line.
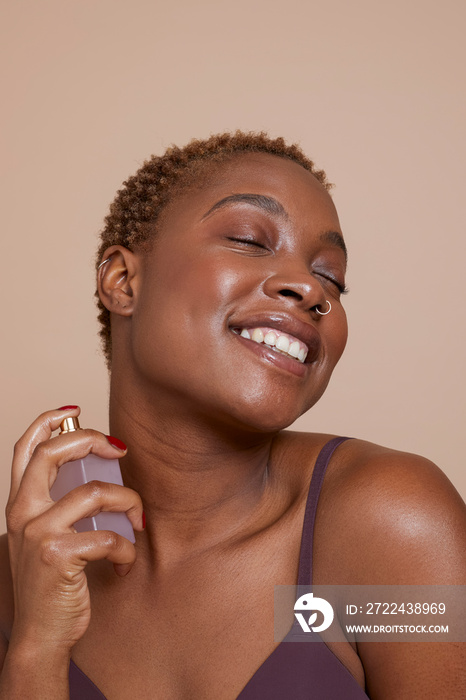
x: 90, y: 468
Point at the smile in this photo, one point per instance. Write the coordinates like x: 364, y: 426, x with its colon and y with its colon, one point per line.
x: 276, y: 340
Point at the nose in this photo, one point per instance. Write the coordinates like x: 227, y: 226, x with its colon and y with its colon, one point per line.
x: 301, y: 288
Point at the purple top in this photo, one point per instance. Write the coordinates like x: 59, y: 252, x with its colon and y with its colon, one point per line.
x: 293, y: 671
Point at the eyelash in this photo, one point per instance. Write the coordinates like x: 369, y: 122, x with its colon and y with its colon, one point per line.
x: 247, y: 241
x: 342, y: 288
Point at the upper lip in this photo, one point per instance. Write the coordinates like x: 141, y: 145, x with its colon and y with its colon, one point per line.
x: 287, y: 323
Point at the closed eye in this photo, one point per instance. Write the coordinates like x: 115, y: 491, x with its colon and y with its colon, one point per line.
x: 247, y: 242
x: 342, y: 288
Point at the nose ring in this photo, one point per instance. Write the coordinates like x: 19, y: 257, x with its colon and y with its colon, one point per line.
x: 324, y: 313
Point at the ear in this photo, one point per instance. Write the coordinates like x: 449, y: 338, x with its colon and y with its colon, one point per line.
x: 116, y: 280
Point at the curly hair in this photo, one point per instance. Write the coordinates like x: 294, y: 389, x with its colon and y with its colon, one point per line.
x: 131, y: 221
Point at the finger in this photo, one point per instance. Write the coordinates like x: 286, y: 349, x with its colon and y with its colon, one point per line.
x: 39, y: 431
x: 74, y: 551
x: 33, y: 494
x: 104, y: 544
x: 87, y: 501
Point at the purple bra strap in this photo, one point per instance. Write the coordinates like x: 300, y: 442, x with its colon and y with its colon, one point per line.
x: 305, y: 556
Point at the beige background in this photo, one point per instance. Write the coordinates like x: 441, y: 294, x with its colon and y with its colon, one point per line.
x: 374, y: 92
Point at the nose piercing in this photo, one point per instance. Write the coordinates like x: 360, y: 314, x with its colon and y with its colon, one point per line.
x: 103, y: 263
x: 324, y: 313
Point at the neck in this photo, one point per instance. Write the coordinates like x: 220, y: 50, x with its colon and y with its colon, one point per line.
x: 199, y: 480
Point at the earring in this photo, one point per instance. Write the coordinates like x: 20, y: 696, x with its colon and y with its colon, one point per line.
x: 324, y: 313
x: 103, y: 262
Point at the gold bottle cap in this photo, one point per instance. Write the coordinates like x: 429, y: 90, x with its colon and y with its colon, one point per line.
x: 69, y: 425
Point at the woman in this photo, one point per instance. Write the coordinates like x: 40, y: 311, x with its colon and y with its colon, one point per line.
x: 206, y: 252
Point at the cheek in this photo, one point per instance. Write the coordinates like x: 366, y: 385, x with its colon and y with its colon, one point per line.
x: 182, y: 313
x: 204, y: 290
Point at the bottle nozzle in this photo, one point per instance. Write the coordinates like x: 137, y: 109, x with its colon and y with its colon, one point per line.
x: 68, y: 425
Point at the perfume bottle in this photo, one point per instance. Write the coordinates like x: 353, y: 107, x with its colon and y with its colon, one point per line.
x: 90, y: 468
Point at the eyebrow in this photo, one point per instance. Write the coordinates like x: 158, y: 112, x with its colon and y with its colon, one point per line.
x: 272, y: 206
x: 335, y: 238
x: 268, y: 204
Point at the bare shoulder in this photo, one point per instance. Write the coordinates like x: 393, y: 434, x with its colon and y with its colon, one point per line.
x: 398, y: 517
x: 392, y: 518
x: 6, y: 590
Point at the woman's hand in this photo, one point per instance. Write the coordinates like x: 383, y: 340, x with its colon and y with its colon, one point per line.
x: 47, y: 556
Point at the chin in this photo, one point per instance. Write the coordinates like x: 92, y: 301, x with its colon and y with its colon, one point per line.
x: 269, y: 415
x: 277, y: 410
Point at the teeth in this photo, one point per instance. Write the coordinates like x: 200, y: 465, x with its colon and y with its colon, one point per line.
x: 270, y: 339
x: 283, y: 343
x: 278, y: 342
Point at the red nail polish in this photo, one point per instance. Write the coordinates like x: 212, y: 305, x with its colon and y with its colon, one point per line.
x: 66, y: 408
x: 115, y: 442
x: 143, y: 520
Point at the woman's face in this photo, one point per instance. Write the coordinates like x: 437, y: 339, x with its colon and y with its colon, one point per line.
x: 253, y: 251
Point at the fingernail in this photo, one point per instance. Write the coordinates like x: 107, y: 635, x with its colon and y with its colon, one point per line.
x: 66, y: 408
x: 143, y: 520
x: 115, y: 442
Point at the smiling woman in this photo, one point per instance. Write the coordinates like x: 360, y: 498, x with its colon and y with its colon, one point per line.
x: 220, y: 280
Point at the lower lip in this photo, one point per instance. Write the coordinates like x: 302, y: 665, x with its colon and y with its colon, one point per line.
x: 275, y: 358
